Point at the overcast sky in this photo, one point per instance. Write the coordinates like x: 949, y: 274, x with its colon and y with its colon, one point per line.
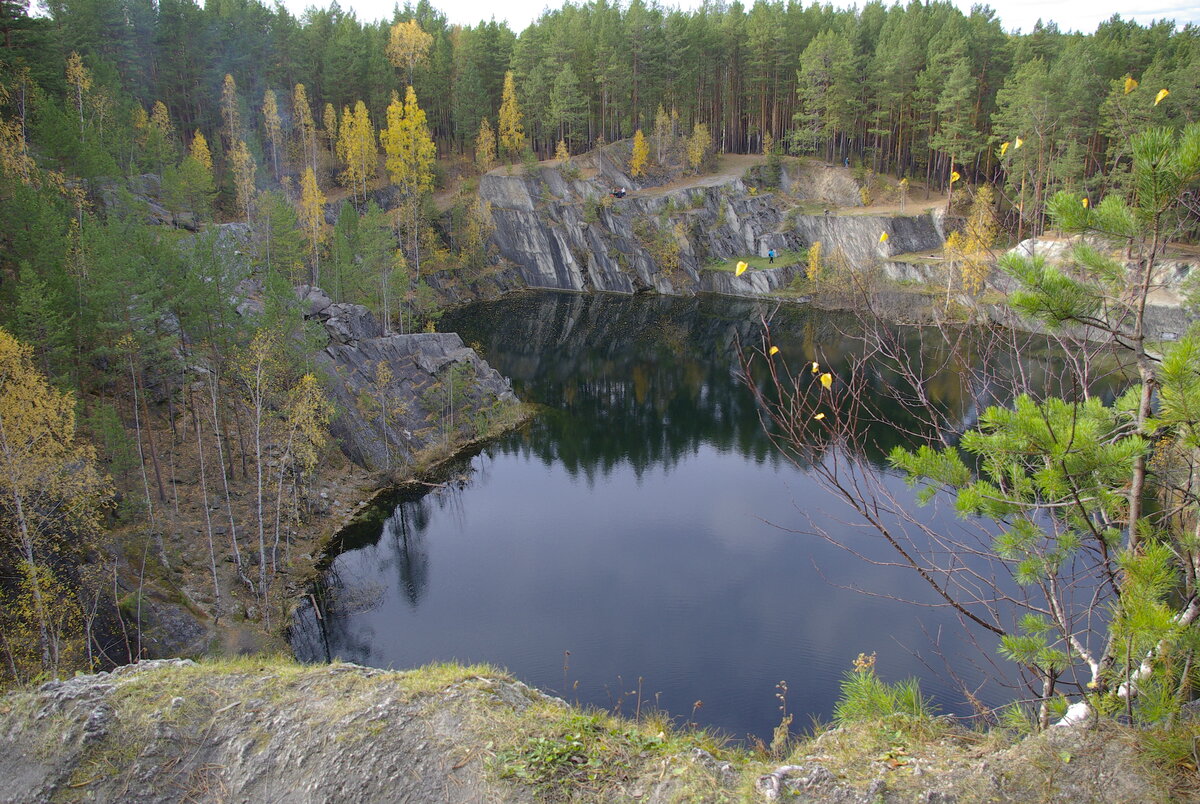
x: 1077, y: 15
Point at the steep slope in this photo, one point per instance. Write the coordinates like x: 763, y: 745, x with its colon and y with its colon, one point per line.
x: 572, y: 234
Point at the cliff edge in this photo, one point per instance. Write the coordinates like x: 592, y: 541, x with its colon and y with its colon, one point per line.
x: 261, y: 729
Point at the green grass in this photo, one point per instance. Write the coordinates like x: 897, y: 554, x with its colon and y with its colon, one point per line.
x: 918, y: 258
x: 757, y: 263
x: 563, y: 753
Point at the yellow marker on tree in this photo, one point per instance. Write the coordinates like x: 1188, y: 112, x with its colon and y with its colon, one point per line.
x: 774, y: 350
x: 1004, y: 148
x: 883, y: 237
x: 741, y: 268
x: 815, y: 367
x: 827, y: 380
x: 1017, y: 143
x: 819, y: 416
x: 1130, y: 84
x: 1162, y: 93
x: 954, y: 176
x: 1085, y: 203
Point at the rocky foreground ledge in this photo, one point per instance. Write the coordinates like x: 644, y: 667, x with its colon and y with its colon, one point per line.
x: 256, y: 729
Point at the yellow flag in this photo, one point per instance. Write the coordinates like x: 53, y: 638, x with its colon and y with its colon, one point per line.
x: 1004, y: 148
x: 1017, y: 143
x: 774, y: 350
x: 1130, y: 84
x: 1162, y: 93
x: 819, y: 416
x: 815, y: 367
x: 1084, y: 202
x: 741, y: 269
x: 954, y: 176
x: 827, y: 380
x: 883, y: 236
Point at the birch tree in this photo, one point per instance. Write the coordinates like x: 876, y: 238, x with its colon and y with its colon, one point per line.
x: 273, y: 127
x: 311, y: 213
x: 410, y: 156
x: 512, y: 132
x: 51, y: 497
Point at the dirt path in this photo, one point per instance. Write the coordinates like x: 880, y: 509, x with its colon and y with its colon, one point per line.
x: 733, y: 166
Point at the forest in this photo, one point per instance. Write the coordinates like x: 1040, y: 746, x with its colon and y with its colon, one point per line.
x: 144, y: 147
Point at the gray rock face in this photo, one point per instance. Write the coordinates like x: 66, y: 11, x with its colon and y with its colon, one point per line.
x: 751, y: 283
x: 571, y: 235
x: 857, y: 236
x: 399, y: 394
x: 1167, y: 318
x: 394, y: 395
x: 336, y: 733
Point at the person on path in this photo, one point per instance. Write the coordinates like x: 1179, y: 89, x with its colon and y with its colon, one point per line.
x: 771, y: 255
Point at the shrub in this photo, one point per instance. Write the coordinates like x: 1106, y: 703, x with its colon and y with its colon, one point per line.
x: 866, y: 697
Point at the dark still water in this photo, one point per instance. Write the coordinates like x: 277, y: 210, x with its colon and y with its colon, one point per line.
x: 641, y: 524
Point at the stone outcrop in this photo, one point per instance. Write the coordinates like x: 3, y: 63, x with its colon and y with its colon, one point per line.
x: 751, y: 283
x: 268, y: 730
x: 166, y: 731
x: 143, y: 196
x: 1167, y: 318
x: 397, y: 395
x: 570, y: 234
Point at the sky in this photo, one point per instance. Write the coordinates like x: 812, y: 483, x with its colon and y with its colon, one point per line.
x: 1071, y: 15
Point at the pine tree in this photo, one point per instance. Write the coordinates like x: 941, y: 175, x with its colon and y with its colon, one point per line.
x: 825, y: 90
x: 568, y: 106
x: 278, y: 243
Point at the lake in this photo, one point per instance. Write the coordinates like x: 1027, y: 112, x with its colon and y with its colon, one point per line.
x: 634, y: 545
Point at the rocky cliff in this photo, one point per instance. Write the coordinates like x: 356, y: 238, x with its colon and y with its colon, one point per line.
x: 399, y: 395
x: 571, y: 234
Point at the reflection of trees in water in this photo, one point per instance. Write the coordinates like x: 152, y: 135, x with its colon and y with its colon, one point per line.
x: 405, y: 532
x: 336, y: 599
x: 648, y: 380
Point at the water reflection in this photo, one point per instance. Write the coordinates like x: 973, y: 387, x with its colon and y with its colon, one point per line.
x: 634, y: 523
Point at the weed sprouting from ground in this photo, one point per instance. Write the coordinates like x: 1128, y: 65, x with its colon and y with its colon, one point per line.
x: 865, y: 697
x: 582, y: 753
